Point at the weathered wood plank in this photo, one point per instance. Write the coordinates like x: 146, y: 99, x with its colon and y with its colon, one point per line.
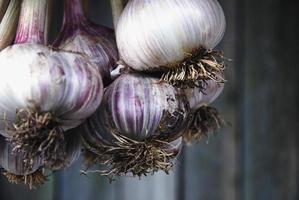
x: 271, y: 96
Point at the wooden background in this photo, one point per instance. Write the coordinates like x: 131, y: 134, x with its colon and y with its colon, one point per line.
x: 256, y: 158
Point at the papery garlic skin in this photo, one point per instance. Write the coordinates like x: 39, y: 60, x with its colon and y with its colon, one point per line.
x: 36, y: 78
x: 137, y: 107
x: 155, y: 33
x: 197, y: 98
x: 13, y: 162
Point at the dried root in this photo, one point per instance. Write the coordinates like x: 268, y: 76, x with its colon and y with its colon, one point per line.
x: 128, y: 156
x: 203, y: 121
x: 35, y: 179
x: 196, y: 69
x: 38, y: 134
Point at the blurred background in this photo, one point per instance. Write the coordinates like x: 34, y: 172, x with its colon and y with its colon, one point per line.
x: 254, y: 159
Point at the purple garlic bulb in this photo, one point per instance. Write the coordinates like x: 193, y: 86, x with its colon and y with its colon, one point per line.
x: 137, y: 123
x: 79, y: 35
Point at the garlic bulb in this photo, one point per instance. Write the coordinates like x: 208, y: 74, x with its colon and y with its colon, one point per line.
x: 138, y: 116
x: 16, y: 170
x: 197, y: 98
x: 78, y: 34
x: 13, y: 162
x: 9, y: 22
x: 137, y: 107
x: 172, y: 35
x: 56, y: 91
x: 203, y: 118
x: 43, y: 92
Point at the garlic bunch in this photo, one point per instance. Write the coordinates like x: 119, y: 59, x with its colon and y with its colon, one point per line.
x: 43, y: 92
x: 79, y: 35
x: 15, y: 169
x: 137, y: 119
x: 9, y: 22
x: 174, y: 36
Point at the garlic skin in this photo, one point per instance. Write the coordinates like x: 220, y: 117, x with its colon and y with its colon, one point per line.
x: 80, y: 35
x: 153, y: 33
x: 13, y: 162
x: 197, y: 98
x: 36, y: 78
x: 137, y: 107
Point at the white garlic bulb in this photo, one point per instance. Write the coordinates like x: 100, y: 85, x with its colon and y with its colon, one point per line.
x: 162, y: 33
x: 34, y: 77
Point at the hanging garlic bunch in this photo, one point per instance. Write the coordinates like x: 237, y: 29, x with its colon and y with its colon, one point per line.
x: 16, y: 170
x: 79, y: 35
x: 9, y: 22
x: 174, y: 36
x: 135, y: 126
x: 203, y: 118
x: 43, y: 92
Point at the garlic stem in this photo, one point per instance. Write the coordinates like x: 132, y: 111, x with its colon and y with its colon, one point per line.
x: 9, y: 23
x: 31, y: 27
x: 48, y: 20
x: 117, y: 8
x: 73, y: 12
x: 3, y: 8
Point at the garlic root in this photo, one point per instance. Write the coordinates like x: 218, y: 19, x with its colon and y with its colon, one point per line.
x: 196, y: 69
x: 38, y: 134
x: 203, y: 121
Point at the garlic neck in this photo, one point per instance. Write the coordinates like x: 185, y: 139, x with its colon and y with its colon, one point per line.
x: 31, y: 26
